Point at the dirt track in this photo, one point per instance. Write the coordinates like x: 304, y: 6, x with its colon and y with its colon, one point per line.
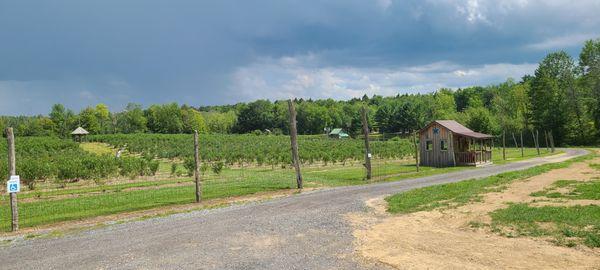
x: 445, y: 238
x: 306, y: 231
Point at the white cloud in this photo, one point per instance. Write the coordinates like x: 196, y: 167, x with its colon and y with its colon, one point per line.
x: 276, y: 79
x: 562, y: 42
x: 384, y: 4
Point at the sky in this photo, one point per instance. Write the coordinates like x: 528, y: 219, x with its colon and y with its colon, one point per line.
x: 201, y: 52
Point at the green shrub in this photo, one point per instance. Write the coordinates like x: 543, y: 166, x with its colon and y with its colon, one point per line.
x: 190, y: 165
x: 217, y: 167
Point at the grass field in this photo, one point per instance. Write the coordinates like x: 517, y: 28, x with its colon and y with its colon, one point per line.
x: 568, y: 222
x: 564, y: 224
x: 49, y: 204
x: 463, y: 192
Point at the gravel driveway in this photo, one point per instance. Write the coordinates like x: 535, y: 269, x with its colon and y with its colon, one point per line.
x: 305, y: 231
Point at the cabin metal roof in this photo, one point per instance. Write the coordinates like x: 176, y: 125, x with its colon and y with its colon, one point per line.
x: 337, y: 131
x: 459, y: 129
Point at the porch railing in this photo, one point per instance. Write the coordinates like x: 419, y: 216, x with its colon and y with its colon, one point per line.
x: 473, y: 157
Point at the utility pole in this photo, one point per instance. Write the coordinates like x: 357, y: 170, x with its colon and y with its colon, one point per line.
x: 12, y: 169
x: 365, y: 124
x: 197, y: 167
x: 294, y: 141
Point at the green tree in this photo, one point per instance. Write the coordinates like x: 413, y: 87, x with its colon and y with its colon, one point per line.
x: 103, y: 116
x: 257, y: 115
x: 589, y: 65
x: 89, y: 120
x: 132, y: 119
x: 165, y: 118
x: 63, y: 120
x: 549, y: 95
x: 193, y: 120
x: 220, y: 122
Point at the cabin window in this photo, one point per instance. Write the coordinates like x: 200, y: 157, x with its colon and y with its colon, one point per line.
x: 428, y: 145
x: 444, y: 145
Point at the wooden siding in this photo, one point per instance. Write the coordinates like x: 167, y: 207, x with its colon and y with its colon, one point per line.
x: 436, y: 157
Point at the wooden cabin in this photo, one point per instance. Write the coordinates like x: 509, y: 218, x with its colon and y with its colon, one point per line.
x: 446, y: 143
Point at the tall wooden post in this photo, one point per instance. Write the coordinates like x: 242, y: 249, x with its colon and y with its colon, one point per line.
x: 534, y: 135
x: 522, y: 153
x: 504, y: 144
x: 416, y: 150
x: 551, y: 141
x: 294, y: 141
x: 546, y: 138
x: 365, y: 126
x: 197, y: 168
x: 12, y: 170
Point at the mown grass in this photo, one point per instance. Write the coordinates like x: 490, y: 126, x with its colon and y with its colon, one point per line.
x: 47, y: 206
x: 577, y: 190
x: 566, y: 225
x: 97, y: 148
x: 51, y: 211
x: 460, y: 193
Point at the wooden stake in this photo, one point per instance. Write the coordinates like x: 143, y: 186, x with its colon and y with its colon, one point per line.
x: 416, y: 150
x: 12, y: 170
x: 522, y: 153
x: 365, y: 125
x: 197, y: 168
x: 294, y: 141
x: 503, y: 144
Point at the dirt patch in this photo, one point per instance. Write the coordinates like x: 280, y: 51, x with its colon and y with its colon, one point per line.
x: 460, y: 238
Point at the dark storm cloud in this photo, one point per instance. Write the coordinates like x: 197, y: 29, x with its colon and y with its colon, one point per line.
x: 211, y: 52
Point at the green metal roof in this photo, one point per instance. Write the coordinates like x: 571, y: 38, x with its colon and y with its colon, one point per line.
x: 336, y: 131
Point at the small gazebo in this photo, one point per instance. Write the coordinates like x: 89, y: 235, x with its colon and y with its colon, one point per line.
x: 79, y: 133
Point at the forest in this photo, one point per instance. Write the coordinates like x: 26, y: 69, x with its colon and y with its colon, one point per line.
x: 562, y: 96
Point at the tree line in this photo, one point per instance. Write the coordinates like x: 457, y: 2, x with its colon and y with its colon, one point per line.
x: 562, y: 96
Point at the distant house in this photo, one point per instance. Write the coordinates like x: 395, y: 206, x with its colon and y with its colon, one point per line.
x: 79, y: 134
x: 447, y: 143
x: 338, y: 133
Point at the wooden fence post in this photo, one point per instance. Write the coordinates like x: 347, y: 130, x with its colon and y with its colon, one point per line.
x: 12, y: 169
x: 294, y: 141
x: 522, y: 153
x: 537, y: 141
x: 546, y: 138
x: 365, y: 125
x: 416, y: 149
x: 503, y: 144
x: 197, y: 167
x: 551, y: 141
x: 515, y: 139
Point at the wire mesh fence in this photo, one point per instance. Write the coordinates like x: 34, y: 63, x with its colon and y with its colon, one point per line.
x: 64, y: 180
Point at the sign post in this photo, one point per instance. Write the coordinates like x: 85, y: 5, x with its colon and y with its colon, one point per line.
x: 13, y: 185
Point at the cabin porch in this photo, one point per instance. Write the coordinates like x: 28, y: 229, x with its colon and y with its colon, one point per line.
x: 472, y: 151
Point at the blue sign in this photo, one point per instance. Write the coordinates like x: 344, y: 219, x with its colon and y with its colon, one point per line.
x: 14, y: 184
